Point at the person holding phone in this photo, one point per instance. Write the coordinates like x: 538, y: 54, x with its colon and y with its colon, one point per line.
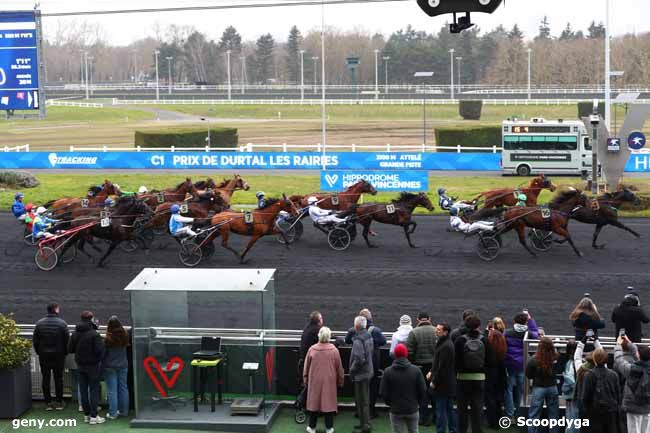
x: 630, y: 316
x: 585, y: 317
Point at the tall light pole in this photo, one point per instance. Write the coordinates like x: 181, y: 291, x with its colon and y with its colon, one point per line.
x: 376, y: 73
x: 135, y: 66
x: 169, y: 73
x: 81, y: 64
x: 89, y: 78
x: 459, y: 59
x: 424, y: 105
x: 386, y: 59
x: 608, y: 90
x: 86, y: 67
x: 302, y: 74
x: 322, y: 78
x: 157, y: 88
x: 451, y: 53
x: 530, y: 50
x: 315, y: 59
x: 229, y: 83
x: 243, y: 73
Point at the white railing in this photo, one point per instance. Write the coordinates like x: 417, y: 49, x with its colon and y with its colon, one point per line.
x: 60, y: 103
x: 154, y: 149
x: 22, y: 148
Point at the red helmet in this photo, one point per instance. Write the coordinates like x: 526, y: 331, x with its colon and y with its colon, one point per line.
x: 29, y: 206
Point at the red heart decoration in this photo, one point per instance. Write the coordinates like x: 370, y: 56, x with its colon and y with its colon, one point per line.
x: 150, y: 360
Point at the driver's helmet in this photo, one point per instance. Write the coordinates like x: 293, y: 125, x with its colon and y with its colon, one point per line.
x: 522, y: 197
x: 29, y: 207
x: 453, y: 211
x: 109, y: 202
x: 259, y: 194
x: 175, y: 209
x: 40, y: 211
x: 19, y: 195
x: 312, y: 200
x: 143, y: 190
x: 441, y: 191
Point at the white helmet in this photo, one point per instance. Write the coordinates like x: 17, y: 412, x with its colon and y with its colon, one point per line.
x: 312, y: 200
x: 41, y: 210
x: 143, y: 190
x: 117, y: 187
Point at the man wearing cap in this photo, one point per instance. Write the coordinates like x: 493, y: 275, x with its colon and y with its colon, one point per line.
x: 403, y: 388
x: 421, y: 344
x: 18, y: 208
x: 630, y: 316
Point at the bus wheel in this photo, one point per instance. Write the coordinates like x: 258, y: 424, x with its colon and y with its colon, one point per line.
x: 523, y: 170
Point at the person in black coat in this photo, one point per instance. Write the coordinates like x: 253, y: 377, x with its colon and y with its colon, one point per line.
x: 630, y: 316
x: 585, y: 317
x: 600, y: 397
x: 88, y: 347
x: 443, y: 379
x: 310, y: 334
x: 50, y: 342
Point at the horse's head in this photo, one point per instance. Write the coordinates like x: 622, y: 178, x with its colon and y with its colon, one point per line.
x: 366, y: 187
x: 186, y: 187
x: 240, y: 183
x: 217, y: 200
x: 543, y: 182
x: 626, y: 195
x: 422, y: 199
x: 569, y: 198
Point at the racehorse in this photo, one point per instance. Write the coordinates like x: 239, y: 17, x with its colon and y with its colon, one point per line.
x: 177, y: 194
x: 63, y: 208
x: 198, y: 209
x: 120, y: 228
x: 346, y: 199
x: 558, y: 214
x: 262, y: 223
x: 508, y: 196
x: 228, y: 187
x: 400, y: 215
x: 604, y: 211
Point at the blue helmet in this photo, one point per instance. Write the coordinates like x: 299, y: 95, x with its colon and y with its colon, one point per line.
x: 453, y: 211
x: 19, y: 195
x: 175, y: 208
x: 259, y: 194
x: 441, y: 191
x: 109, y: 202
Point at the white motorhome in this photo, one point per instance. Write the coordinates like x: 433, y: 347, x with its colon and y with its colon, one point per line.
x: 545, y: 146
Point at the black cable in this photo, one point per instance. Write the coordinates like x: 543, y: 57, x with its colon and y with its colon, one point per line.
x: 215, y: 7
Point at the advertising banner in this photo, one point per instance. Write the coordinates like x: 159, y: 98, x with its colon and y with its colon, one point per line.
x: 405, y: 180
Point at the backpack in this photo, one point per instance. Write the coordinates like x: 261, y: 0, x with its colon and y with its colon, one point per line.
x: 473, y: 354
x: 639, y: 383
x: 569, y: 380
x: 603, y: 400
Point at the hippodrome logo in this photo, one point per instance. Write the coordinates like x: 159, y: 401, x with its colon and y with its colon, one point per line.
x: 71, y: 160
x: 381, y: 181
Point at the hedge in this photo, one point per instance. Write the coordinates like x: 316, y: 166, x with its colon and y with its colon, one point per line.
x: 470, y: 109
x: 471, y: 136
x: 187, y: 137
x: 585, y: 109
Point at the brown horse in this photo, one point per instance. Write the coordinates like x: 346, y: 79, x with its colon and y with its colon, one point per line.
x: 346, y: 199
x: 262, y: 223
x: 400, y: 214
x: 198, y: 209
x: 508, y: 196
x: 63, y: 208
x: 226, y: 188
x: 604, y: 211
x: 179, y: 193
x: 557, y: 220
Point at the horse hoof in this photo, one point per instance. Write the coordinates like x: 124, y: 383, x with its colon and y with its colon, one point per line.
x: 372, y: 246
x: 580, y: 254
x: 413, y: 246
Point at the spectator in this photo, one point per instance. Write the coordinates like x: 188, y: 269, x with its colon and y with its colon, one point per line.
x: 443, y: 380
x: 50, y: 344
x: 403, y: 388
x: 514, y: 360
x: 600, y: 396
x: 629, y: 316
x: 583, y: 365
x: 569, y: 376
x: 495, y: 372
x: 540, y: 370
x: 462, y: 329
x: 636, y: 389
x: 402, y: 333
x: 308, y: 338
x: 116, y: 368
x: 585, y: 317
x: 88, y: 347
x: 470, y: 356
x: 421, y: 344
x: 323, y: 374
x: 361, y: 371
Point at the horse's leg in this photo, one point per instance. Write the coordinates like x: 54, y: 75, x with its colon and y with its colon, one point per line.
x: 108, y: 252
x: 248, y: 247
x: 599, y: 227
x: 81, y: 242
x: 225, y: 234
x: 408, y: 232
x: 562, y: 231
x: 413, y: 225
x: 366, y: 229
x: 620, y: 225
x: 521, y: 232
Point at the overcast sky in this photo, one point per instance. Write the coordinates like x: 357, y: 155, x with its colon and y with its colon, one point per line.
x: 626, y: 16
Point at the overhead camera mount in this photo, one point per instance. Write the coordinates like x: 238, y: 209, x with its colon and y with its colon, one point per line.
x: 434, y: 8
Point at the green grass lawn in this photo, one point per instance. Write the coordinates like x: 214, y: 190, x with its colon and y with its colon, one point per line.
x: 75, y: 185
x: 76, y: 114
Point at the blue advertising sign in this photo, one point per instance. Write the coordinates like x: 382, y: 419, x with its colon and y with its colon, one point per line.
x: 636, y: 140
x: 406, y: 180
x: 255, y: 160
x: 638, y: 162
x: 18, y: 61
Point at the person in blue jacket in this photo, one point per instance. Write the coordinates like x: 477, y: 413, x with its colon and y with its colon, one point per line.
x: 42, y: 224
x: 18, y: 208
x: 177, y: 223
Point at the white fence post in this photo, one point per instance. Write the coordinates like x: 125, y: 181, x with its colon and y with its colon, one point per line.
x: 318, y: 147
x: 424, y: 147
x: 71, y: 148
x: 138, y: 148
x: 494, y: 148
x: 207, y: 148
x: 173, y: 149
x: 387, y: 147
x: 27, y: 147
x: 458, y: 148
x: 104, y: 148
x: 249, y: 147
x: 284, y: 147
x: 354, y: 147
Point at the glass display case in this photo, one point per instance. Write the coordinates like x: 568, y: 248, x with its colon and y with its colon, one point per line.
x: 199, y: 354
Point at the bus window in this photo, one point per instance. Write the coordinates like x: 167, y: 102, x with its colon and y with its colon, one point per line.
x: 586, y: 142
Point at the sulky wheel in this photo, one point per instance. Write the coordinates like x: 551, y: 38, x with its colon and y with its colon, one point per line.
x: 128, y: 246
x: 541, y: 240
x: 487, y: 248
x: 285, y: 226
x: 46, y: 258
x: 190, y: 253
x: 339, y: 239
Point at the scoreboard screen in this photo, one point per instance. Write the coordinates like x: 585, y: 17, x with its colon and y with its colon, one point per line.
x: 541, y: 129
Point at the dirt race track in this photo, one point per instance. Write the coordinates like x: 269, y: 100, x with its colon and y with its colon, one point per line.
x: 443, y: 276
